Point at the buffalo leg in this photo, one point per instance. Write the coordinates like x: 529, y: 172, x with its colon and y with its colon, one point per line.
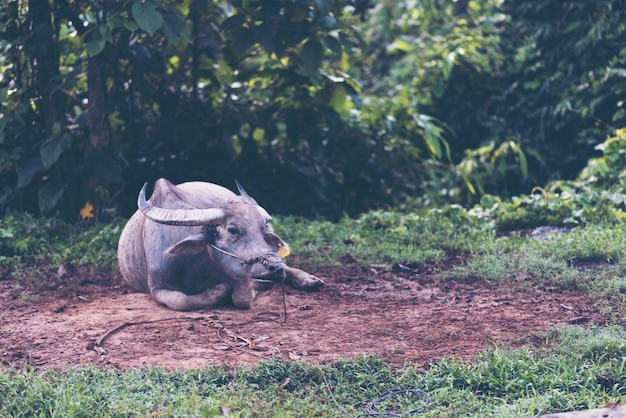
x: 180, y: 301
x: 300, y: 279
x: 243, y: 294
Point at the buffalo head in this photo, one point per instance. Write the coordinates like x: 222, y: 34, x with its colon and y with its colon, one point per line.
x: 237, y: 235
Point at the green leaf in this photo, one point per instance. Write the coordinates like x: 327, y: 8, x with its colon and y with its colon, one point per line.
x: 338, y: 99
x: 7, y: 233
x: 174, y: 25
x: 103, y: 166
x: 433, y: 135
x: 324, y: 6
x: 353, y: 91
x: 105, y: 32
x: 96, y: 41
x: 327, y: 23
x: 399, y: 45
x: 312, y: 56
x: 448, y: 64
x: 130, y: 25
x: 333, y: 44
x: 242, y: 41
x: 115, y: 21
x: 56, y: 129
x: 232, y: 23
x: 517, y: 149
x: 52, y: 148
x: 346, y: 42
x: 619, y: 115
x: 147, y: 16
x: 266, y: 37
x: 49, y: 196
x: 26, y: 172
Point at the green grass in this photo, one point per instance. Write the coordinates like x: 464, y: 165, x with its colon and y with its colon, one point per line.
x: 32, y: 249
x: 27, y: 239
x: 559, y: 373
x: 590, y: 259
x: 383, y: 237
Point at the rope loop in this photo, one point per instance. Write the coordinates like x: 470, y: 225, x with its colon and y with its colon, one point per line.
x: 260, y: 258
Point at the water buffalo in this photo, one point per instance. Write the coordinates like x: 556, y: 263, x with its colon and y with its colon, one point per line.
x: 194, y: 245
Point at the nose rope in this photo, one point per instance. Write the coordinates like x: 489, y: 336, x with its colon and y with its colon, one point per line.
x: 227, y: 253
x: 260, y: 258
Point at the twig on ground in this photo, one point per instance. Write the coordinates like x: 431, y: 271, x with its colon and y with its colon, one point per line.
x: 128, y: 324
x: 232, y: 334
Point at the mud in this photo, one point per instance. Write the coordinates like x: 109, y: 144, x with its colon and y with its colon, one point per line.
x: 402, y: 317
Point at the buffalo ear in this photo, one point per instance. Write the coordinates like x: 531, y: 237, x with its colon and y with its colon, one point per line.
x: 193, y: 244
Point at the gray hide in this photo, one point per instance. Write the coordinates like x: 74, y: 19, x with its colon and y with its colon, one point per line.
x: 196, y: 245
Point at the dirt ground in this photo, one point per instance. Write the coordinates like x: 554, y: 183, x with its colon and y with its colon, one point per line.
x: 406, y: 316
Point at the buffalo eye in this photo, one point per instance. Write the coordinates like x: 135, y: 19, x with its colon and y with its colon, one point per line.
x: 232, y: 230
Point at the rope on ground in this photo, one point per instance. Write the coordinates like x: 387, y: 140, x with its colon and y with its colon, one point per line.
x: 98, y: 346
x: 373, y: 405
x: 107, y: 334
x: 372, y: 408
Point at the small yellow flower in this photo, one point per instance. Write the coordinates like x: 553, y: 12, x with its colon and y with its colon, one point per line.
x: 87, y: 211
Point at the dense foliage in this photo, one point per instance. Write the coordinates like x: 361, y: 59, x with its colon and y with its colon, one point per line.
x: 103, y: 95
x: 526, y: 88
x: 318, y: 107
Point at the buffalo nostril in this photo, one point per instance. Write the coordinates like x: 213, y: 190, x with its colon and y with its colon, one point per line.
x: 276, y: 267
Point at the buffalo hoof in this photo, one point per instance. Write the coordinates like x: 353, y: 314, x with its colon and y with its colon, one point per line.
x: 312, y: 283
x: 300, y: 279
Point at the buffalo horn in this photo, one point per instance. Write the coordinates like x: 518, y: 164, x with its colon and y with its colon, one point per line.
x: 178, y: 217
x: 244, y: 194
x: 247, y: 197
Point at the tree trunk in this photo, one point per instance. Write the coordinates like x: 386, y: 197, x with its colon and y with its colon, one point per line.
x: 95, y: 103
x: 96, y: 75
x: 195, y: 15
x: 45, y: 63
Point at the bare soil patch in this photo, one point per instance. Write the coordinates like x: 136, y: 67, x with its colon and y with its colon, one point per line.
x: 403, y: 317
